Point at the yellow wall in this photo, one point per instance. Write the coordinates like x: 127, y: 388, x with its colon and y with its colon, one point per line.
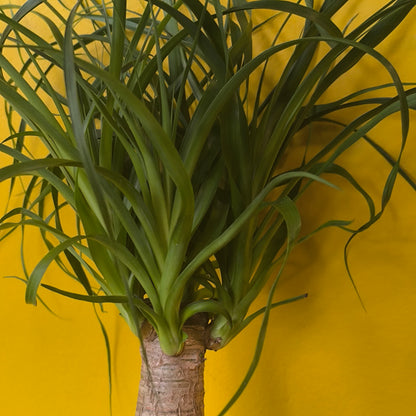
x: 323, y: 356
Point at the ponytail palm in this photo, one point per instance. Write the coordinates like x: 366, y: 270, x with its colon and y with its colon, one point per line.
x: 165, y: 136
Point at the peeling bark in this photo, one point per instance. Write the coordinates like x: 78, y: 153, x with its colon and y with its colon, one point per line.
x: 173, y: 385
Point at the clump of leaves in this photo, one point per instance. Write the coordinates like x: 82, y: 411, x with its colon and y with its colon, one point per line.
x: 167, y: 143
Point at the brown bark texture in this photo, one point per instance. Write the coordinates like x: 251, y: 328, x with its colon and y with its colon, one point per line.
x: 173, y: 385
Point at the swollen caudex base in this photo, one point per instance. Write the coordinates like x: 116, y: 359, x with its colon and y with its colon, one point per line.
x: 172, y: 385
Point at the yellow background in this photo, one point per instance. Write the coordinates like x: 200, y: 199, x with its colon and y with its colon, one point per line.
x: 323, y: 356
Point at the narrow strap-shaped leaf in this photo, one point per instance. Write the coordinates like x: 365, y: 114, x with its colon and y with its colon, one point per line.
x: 71, y: 86
x: 203, y: 306
x: 31, y: 167
x: 290, y: 119
x: 131, y: 262
x: 87, y: 298
x: 79, y: 271
x: 140, y: 209
x: 34, y: 112
x: 116, y: 63
x: 24, y: 10
x: 232, y: 231
x: 261, y: 311
x: 321, y: 20
x: 160, y: 140
x: 211, y: 53
x: 292, y: 223
x: 109, y: 366
x: 292, y: 230
x: 358, y: 129
x: 40, y: 269
x: 288, y: 210
x: 65, y: 190
x: 342, y: 172
x: 404, y: 173
x: 100, y: 299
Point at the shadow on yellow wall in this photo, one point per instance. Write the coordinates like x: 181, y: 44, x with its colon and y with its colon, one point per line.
x: 323, y: 356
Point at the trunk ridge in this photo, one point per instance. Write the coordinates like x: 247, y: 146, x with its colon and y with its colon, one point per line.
x: 173, y: 385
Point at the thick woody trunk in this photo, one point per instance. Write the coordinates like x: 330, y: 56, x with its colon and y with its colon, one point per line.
x: 173, y: 385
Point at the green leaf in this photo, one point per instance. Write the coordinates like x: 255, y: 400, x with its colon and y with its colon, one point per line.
x: 87, y: 298
x: 319, y: 19
x: 40, y: 269
x: 291, y: 217
x: 23, y: 11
